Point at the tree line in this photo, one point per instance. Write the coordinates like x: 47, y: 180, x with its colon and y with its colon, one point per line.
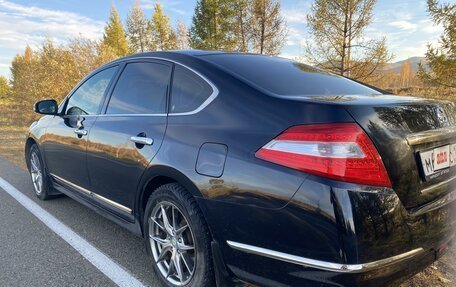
x: 337, y: 43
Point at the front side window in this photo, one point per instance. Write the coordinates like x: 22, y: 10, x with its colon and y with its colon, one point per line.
x: 141, y: 89
x: 189, y: 91
x: 86, y: 100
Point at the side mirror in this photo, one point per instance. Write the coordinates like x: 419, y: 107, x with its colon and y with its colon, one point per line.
x: 46, y: 107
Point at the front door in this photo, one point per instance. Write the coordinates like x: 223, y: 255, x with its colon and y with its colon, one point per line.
x: 66, y: 136
x: 124, y: 140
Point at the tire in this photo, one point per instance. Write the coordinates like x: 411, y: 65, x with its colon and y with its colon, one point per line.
x: 40, y: 179
x: 171, y: 198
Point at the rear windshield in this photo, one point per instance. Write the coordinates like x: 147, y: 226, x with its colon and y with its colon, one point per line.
x: 286, y: 77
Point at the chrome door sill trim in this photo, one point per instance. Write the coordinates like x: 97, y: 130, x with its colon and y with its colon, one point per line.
x: 113, y: 203
x: 80, y: 188
x: 323, y: 265
x: 93, y: 194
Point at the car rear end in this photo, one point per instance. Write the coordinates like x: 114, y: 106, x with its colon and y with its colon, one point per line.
x: 416, y: 139
x: 376, y: 204
x: 392, y: 177
x: 370, y: 211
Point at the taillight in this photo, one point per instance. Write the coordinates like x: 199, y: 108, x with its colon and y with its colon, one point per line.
x: 340, y: 151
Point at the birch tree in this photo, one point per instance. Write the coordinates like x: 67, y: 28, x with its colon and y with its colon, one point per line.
x: 138, y: 30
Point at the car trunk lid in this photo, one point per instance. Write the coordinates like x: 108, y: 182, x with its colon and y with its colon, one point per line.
x: 417, y: 141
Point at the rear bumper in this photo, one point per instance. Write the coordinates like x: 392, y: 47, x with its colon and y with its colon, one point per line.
x: 331, y: 234
x: 324, y: 265
x: 297, y: 271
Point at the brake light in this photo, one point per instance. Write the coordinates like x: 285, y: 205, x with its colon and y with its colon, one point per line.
x: 340, y: 151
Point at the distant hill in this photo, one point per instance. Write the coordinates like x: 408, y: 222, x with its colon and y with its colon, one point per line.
x: 397, y: 66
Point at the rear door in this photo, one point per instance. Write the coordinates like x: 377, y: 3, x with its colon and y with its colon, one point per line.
x: 65, y: 140
x: 124, y: 140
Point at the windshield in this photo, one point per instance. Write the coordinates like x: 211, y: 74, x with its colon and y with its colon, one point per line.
x: 286, y: 77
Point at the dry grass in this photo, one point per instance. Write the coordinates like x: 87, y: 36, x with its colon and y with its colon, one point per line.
x: 428, y: 92
x: 14, y: 122
x: 15, y: 119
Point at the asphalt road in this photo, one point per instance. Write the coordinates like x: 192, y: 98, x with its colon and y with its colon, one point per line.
x: 33, y: 254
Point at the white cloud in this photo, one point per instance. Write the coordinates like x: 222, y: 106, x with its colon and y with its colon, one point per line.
x: 428, y: 26
x: 295, y: 16
x: 403, y: 25
x: 296, y: 37
x: 23, y: 25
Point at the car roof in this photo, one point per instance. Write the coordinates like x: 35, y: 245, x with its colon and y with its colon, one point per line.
x: 179, y: 54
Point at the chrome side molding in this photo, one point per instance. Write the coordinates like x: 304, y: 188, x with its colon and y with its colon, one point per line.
x: 431, y: 136
x: 80, y: 188
x: 323, y: 265
x: 93, y: 194
x: 113, y: 203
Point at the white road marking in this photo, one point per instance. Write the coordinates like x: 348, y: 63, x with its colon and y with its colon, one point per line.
x: 106, y: 265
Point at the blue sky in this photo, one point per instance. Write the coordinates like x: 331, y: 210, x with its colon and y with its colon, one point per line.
x: 406, y: 24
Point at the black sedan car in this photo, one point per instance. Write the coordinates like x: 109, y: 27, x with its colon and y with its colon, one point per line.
x: 247, y: 168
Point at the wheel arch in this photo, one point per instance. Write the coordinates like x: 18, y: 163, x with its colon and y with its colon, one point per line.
x: 155, y: 177
x: 28, y: 144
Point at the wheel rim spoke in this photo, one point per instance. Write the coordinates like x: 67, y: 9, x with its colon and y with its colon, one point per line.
x: 162, y: 241
x: 187, y: 262
x: 170, y: 267
x: 162, y: 256
x: 166, y: 224
x: 186, y: 247
x: 181, y: 229
x: 178, y: 267
x: 158, y: 224
x: 174, y: 217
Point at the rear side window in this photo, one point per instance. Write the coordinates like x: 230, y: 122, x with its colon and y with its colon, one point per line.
x: 189, y: 91
x: 286, y: 77
x: 141, y: 89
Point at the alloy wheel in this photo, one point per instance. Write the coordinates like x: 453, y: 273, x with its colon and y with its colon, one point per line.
x: 36, y: 172
x: 172, y: 243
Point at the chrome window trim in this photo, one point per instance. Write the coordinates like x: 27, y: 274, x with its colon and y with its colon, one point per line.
x: 132, y: 115
x: 211, y: 98
x: 323, y: 265
x: 93, y: 194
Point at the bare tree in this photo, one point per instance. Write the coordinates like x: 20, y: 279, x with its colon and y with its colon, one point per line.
x: 338, y: 43
x: 183, y: 42
x: 242, y: 28
x: 406, y: 74
x: 268, y: 27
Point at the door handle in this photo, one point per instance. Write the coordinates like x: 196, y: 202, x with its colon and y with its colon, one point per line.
x: 80, y: 132
x: 142, y: 140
